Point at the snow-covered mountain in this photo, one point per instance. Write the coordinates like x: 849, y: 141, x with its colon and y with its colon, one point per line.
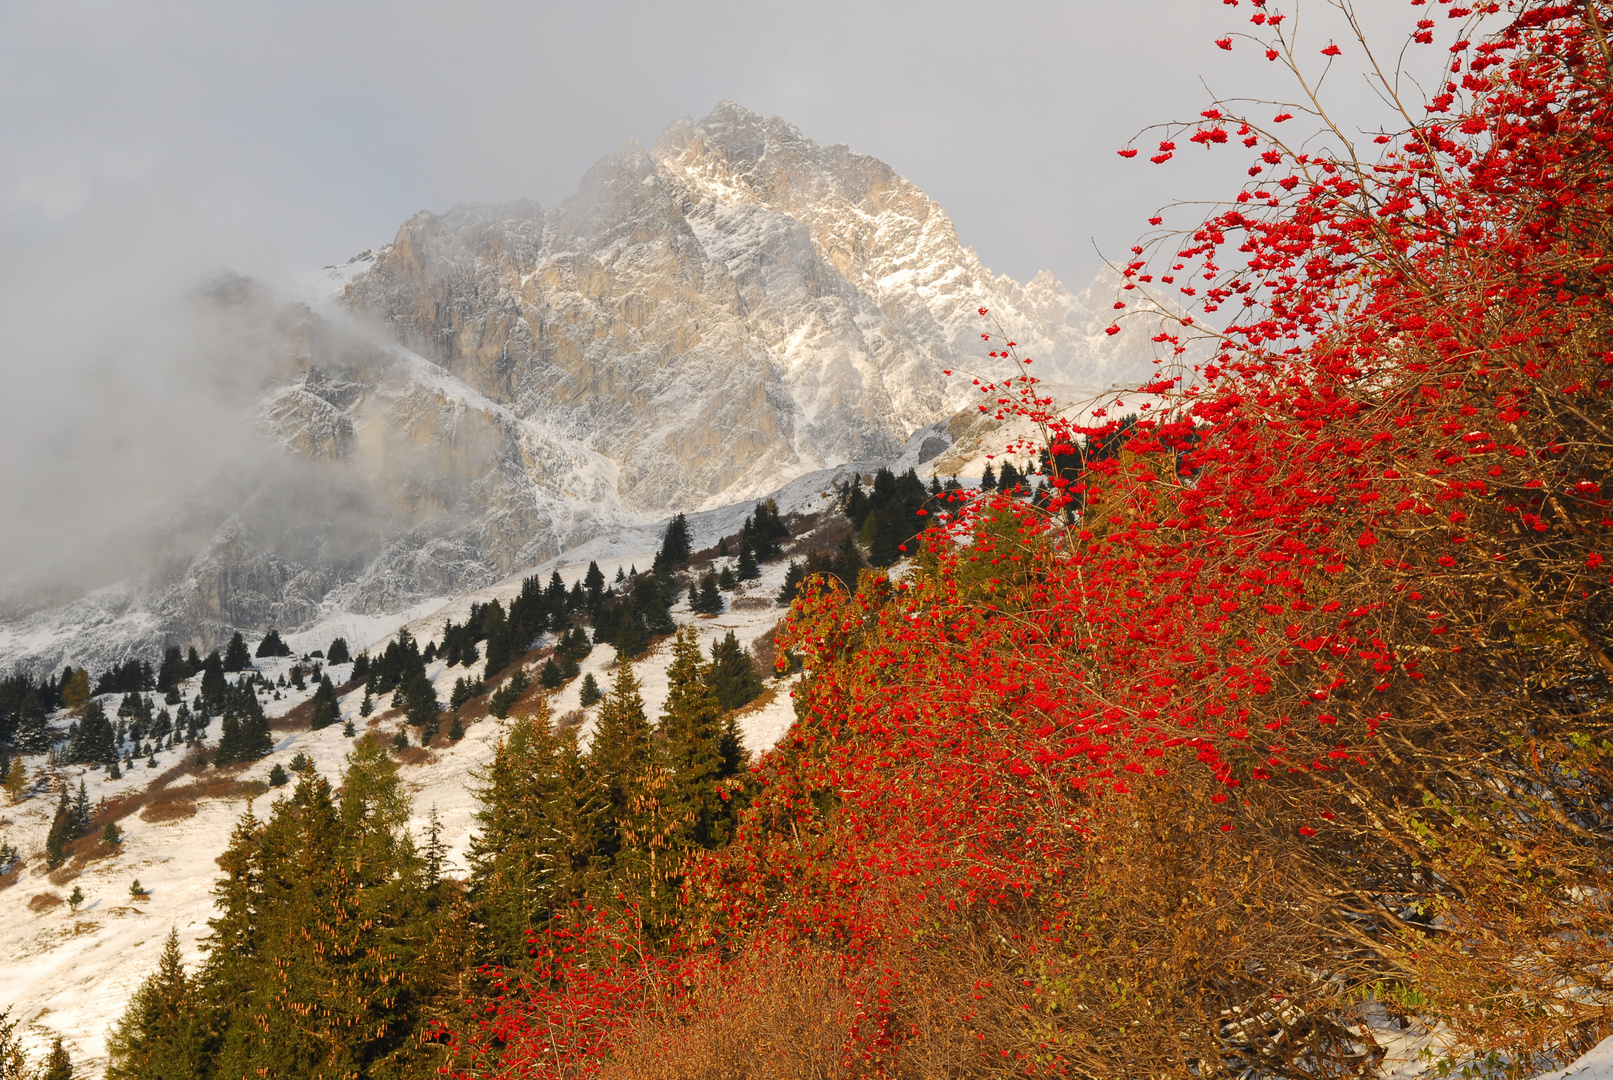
x: 703, y: 321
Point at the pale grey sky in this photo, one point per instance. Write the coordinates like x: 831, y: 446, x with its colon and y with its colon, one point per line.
x: 291, y: 134
x: 144, y: 143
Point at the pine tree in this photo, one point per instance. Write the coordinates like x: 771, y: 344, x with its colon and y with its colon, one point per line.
x: 726, y: 580
x: 594, y: 584
x: 236, y: 656
x: 732, y: 676
x: 709, y: 601
x: 156, y: 1037
x: 748, y: 567
x: 337, y: 653
x: 326, y: 710
x: 589, y: 693
x: 988, y: 478
x: 793, y: 578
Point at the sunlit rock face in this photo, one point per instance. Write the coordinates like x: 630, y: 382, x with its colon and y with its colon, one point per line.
x: 701, y: 322
x: 729, y: 308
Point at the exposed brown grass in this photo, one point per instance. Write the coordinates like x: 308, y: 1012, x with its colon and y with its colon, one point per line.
x: 44, y: 902
x: 766, y: 1018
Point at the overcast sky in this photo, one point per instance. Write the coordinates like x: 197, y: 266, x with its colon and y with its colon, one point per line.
x: 143, y: 144
x: 285, y: 135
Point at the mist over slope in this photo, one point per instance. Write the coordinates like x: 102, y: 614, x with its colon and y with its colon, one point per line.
x: 701, y: 322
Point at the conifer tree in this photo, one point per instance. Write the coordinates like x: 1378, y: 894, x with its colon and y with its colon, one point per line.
x: 691, y: 724
x: 271, y: 645
x: 542, y: 827
x: 748, y: 567
x: 709, y: 599
x: 213, y: 683
x: 337, y: 653
x: 732, y: 675
x: 13, y: 1058
x: 236, y: 656
x: 58, y: 1066
x: 326, y: 710
x: 589, y: 692
x: 76, y: 690
x: 623, y: 750
x: 420, y: 705
x: 244, y: 735
x: 594, y: 585
x: 988, y: 478
x: 436, y: 851
x: 675, y: 550
x: 156, y: 1037
x: 94, y: 743
x: 32, y: 735
x: 16, y: 779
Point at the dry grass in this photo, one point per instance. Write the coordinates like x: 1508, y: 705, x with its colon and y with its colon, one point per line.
x: 44, y: 902
x: 64, y: 874
x: 767, y: 1017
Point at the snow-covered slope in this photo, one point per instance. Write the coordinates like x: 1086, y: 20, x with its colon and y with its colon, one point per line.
x: 71, y: 973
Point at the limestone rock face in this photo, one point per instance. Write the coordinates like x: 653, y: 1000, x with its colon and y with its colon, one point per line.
x: 732, y: 307
x: 703, y: 321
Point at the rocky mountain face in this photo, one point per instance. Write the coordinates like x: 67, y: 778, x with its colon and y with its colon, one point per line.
x: 701, y: 322
x: 731, y: 307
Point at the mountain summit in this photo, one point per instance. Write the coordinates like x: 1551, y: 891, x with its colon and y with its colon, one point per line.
x: 701, y: 322
x: 732, y: 307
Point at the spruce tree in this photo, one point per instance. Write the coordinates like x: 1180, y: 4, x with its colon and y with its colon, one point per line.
x: 589, y: 693
x: 748, y: 567
x: 337, y: 653
x: 326, y: 710
x: 236, y: 656
x: 732, y: 675
x: 594, y: 584
x: 550, y: 676
x: 271, y: 645
x: 675, y: 550
x: 623, y: 750
x: 94, y: 743
x: 691, y: 725
x: 213, y: 682
x: 157, y: 1037
x: 32, y: 735
x: 58, y: 1066
x: 420, y: 705
x: 13, y: 1058
x: 542, y: 829
x: 76, y: 689
x: 988, y: 478
x: 16, y: 779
